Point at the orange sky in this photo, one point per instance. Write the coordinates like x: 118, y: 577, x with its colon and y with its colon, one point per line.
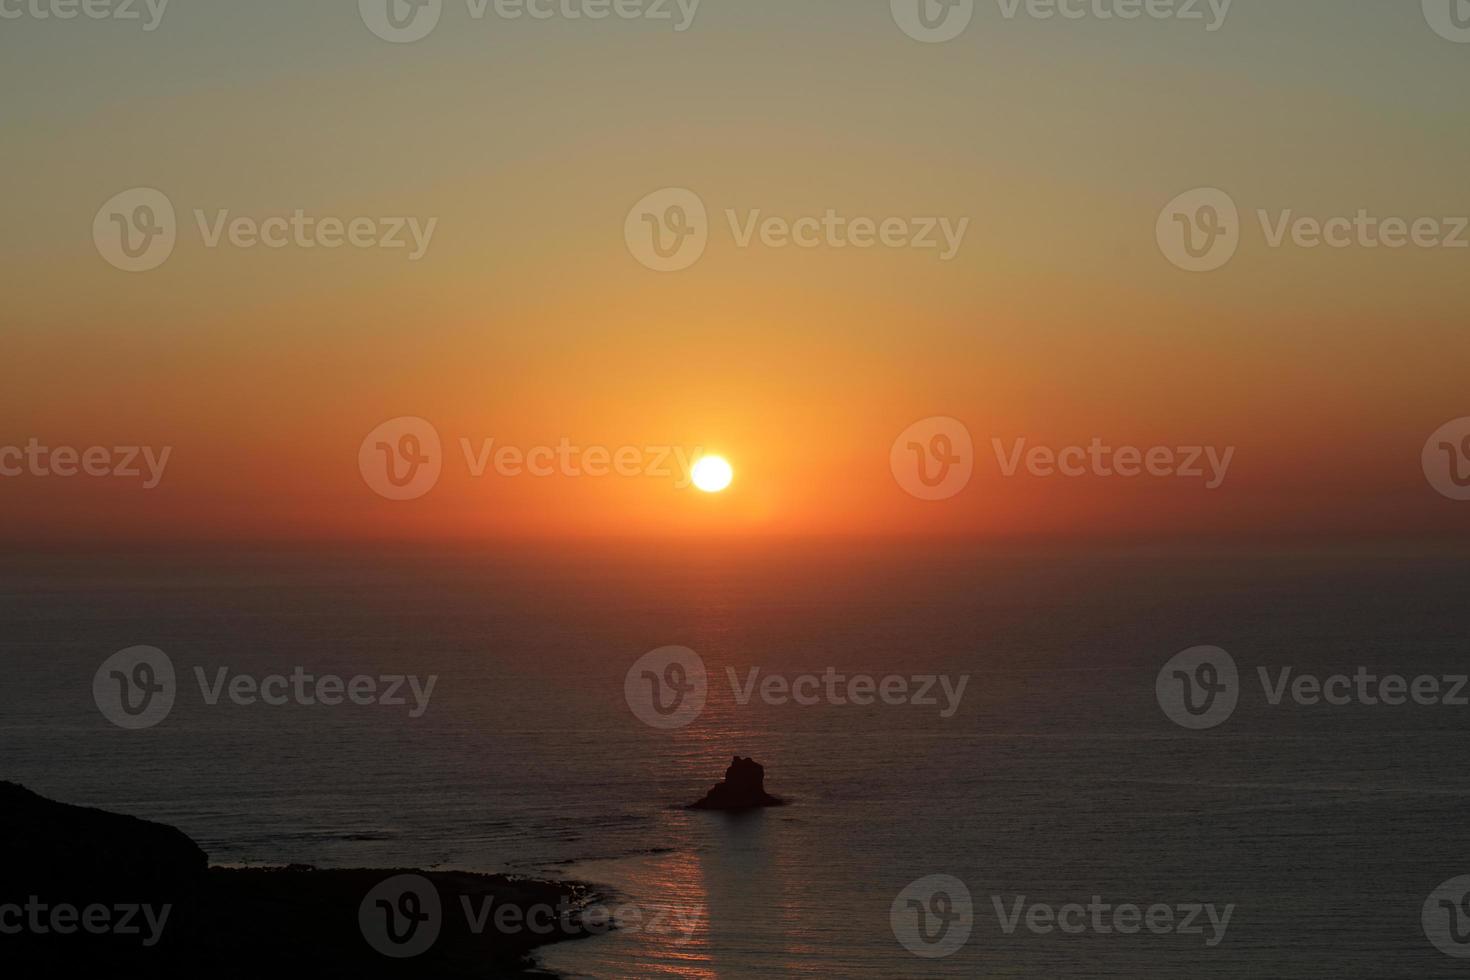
x: 530, y: 321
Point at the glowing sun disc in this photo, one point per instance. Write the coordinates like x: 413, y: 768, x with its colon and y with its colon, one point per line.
x: 712, y: 474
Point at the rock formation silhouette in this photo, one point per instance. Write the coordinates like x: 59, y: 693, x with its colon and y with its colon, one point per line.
x: 743, y: 788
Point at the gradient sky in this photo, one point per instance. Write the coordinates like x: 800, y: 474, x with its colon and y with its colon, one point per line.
x: 529, y: 322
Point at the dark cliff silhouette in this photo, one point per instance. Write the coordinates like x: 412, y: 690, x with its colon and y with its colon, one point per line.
x: 59, y: 848
x: 743, y: 788
x: 168, y: 914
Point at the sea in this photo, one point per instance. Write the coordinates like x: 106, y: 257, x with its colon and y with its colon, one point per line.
x: 1021, y: 821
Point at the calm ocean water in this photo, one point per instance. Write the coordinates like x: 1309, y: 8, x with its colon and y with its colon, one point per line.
x: 1059, y: 778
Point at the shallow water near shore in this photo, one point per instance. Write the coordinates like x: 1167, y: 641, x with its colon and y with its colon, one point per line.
x: 1058, y: 778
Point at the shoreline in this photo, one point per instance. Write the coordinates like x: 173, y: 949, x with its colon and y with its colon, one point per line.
x: 335, y: 919
x: 98, y: 890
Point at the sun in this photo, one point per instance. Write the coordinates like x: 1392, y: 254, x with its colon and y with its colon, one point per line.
x: 712, y: 474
